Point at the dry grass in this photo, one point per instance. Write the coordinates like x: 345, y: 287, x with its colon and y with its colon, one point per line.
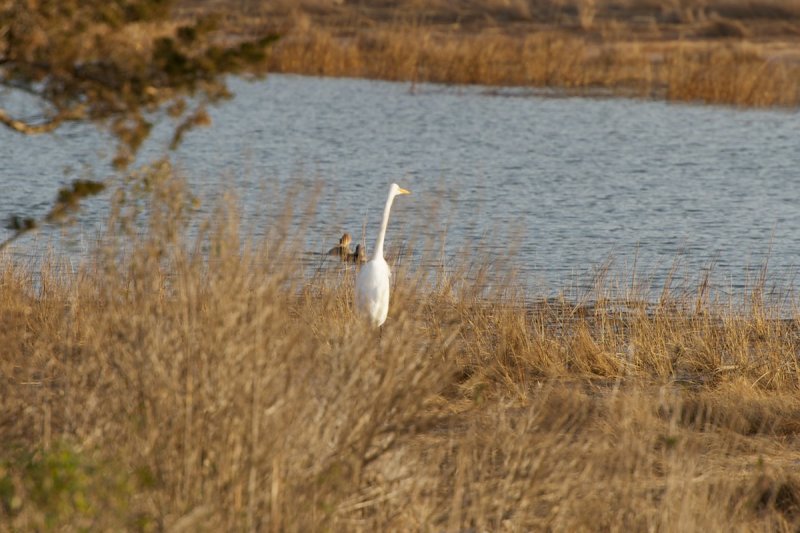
x: 204, y: 386
x: 734, y: 73
x: 714, y: 51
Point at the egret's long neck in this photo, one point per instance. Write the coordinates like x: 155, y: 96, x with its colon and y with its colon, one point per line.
x: 382, y: 233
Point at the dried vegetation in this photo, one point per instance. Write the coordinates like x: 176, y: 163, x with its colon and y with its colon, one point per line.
x: 202, y: 385
x: 744, y: 53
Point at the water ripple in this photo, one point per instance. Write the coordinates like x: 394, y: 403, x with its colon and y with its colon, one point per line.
x: 570, y: 181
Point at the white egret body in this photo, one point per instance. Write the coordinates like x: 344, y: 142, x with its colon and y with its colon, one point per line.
x: 372, y: 283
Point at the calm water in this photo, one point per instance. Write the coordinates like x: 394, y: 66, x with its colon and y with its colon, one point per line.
x: 566, y: 182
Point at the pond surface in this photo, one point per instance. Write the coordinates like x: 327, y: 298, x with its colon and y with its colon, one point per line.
x: 560, y: 184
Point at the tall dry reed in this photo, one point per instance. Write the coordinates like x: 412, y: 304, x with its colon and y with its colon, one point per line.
x: 188, y: 384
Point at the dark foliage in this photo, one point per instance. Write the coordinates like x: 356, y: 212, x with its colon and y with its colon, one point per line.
x: 114, y: 62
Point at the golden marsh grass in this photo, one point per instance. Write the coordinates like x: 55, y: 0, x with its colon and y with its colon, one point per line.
x: 710, y: 51
x: 182, y: 385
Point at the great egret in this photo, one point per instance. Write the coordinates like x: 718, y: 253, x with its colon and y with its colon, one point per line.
x: 372, y: 283
x: 343, y: 248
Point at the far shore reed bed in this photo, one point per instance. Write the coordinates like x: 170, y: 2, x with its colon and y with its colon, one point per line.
x: 203, y: 386
x: 732, y: 52
x: 736, y: 73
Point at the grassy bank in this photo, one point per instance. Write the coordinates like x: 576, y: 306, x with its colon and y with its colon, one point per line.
x: 194, y: 386
x: 745, y: 53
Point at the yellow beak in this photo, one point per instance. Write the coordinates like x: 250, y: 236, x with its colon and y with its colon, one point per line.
x: 403, y: 191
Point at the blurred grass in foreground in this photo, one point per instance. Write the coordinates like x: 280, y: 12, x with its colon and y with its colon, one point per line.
x: 203, y: 385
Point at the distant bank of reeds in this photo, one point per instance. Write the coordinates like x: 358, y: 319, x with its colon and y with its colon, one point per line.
x: 712, y: 51
x: 188, y: 386
x: 737, y: 73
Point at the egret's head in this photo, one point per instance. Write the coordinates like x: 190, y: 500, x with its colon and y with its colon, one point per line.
x: 397, y: 190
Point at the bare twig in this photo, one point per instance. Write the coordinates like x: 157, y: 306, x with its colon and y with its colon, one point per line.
x: 17, y: 234
x: 45, y: 127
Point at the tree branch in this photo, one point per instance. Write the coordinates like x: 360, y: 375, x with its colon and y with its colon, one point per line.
x: 37, y: 129
x: 28, y: 129
x: 17, y: 234
x: 68, y: 200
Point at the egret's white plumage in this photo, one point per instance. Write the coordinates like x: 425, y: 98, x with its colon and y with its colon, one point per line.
x: 372, y: 283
